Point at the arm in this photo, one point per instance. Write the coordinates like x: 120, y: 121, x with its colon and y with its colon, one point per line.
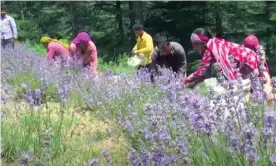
x: 154, y: 54
x: 181, y: 62
x: 72, y: 49
x: 148, y: 47
x: 154, y: 57
x: 182, y: 66
x: 135, y: 48
x: 94, y: 55
x: 51, y: 51
x: 13, y: 27
x: 203, y: 70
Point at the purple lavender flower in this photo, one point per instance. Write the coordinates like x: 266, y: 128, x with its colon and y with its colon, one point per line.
x: 253, y: 157
x: 249, y: 134
x: 234, y: 141
x: 134, y: 159
x: 147, y: 134
x: 182, y: 146
x: 158, y: 156
x: 45, y: 83
x: 269, y: 119
x: 93, y: 162
x: 273, y: 84
x: 164, y: 137
x: 273, y: 158
x: 145, y: 157
x: 26, y: 157
x: 106, y: 155
x: 128, y: 127
x: 63, y: 92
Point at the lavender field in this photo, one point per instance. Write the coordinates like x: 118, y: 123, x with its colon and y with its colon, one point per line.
x: 62, y: 115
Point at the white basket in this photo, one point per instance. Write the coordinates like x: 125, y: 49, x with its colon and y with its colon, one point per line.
x: 137, y: 60
x: 213, y: 83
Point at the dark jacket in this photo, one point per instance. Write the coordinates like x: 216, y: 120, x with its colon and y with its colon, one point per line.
x: 176, y: 61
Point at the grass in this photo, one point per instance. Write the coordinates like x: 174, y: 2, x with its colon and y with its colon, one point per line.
x: 73, y: 139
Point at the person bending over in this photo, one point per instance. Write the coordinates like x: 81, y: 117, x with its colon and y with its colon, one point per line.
x: 231, y: 58
x: 170, y: 55
x: 252, y: 43
x: 55, y: 48
x: 83, y: 47
x: 144, y: 46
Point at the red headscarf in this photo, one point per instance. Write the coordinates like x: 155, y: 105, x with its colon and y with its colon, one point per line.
x: 197, y: 38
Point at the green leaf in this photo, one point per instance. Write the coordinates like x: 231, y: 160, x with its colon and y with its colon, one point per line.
x: 273, y: 17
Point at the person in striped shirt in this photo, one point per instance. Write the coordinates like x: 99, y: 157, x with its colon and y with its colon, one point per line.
x: 231, y: 58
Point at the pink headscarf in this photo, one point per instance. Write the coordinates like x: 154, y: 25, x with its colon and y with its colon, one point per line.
x: 251, y: 41
x: 82, y: 37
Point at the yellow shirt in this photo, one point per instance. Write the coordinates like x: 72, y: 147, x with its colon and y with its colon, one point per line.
x: 144, y: 46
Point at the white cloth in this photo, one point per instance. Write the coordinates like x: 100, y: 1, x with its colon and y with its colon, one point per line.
x: 137, y: 60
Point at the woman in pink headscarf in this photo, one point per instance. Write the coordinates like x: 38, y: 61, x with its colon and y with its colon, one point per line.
x: 215, y: 50
x: 252, y: 43
x: 83, y: 47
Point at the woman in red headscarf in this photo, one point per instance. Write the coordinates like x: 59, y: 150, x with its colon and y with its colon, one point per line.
x: 216, y: 50
x: 83, y: 47
x: 252, y: 43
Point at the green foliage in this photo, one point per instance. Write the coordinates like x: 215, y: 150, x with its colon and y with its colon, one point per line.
x: 28, y: 30
x: 33, y: 83
x: 52, y: 137
x: 110, y: 22
x: 118, y: 66
x: 273, y: 17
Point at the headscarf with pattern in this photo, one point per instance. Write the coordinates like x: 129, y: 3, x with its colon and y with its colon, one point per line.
x: 46, y: 40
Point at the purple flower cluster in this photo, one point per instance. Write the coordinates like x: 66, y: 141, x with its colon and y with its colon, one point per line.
x: 165, y: 123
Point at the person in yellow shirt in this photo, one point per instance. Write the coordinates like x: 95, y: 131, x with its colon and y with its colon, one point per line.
x: 144, y: 46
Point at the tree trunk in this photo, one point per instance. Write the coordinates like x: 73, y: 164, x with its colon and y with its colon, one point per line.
x: 140, y: 11
x: 219, y: 31
x: 132, y: 19
x: 119, y: 19
x: 268, y: 30
x: 73, y: 19
x: 22, y: 12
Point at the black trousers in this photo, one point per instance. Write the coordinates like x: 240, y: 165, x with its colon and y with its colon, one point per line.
x: 7, y: 43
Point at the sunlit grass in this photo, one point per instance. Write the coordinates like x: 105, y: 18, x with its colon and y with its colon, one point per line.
x: 76, y: 138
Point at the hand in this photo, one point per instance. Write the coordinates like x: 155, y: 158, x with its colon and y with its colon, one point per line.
x: 15, y: 38
x: 186, y: 80
x: 190, y: 84
x: 133, y: 52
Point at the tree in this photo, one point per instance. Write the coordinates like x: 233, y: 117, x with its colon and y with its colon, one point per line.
x: 132, y: 19
x: 110, y: 23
